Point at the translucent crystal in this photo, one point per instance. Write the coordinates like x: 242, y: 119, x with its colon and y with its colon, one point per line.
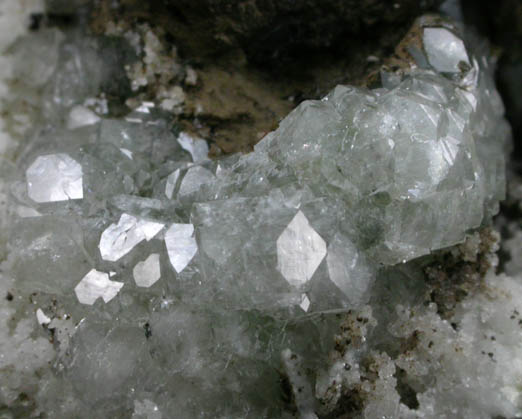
x: 119, y: 239
x: 147, y: 272
x: 197, y: 147
x: 446, y: 52
x: 195, y: 177
x: 172, y: 180
x: 81, y: 116
x: 181, y: 245
x: 300, y: 250
x: 349, y: 269
x: 94, y: 285
x: 54, y: 177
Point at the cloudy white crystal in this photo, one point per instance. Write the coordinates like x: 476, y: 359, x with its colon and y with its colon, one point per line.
x: 119, y: 239
x: 94, y: 285
x: 54, y: 177
x: 445, y: 50
x: 300, y: 251
x: 181, y: 245
x: 147, y: 272
x: 81, y: 116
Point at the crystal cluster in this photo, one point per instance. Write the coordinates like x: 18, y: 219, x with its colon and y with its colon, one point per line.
x: 179, y: 286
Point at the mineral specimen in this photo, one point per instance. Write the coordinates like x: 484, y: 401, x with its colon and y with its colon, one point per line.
x: 299, y: 280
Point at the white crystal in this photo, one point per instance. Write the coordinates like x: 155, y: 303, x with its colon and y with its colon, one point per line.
x: 181, y: 245
x: 300, y: 251
x: 195, y: 177
x: 147, y: 273
x: 444, y: 49
x: 119, y: 239
x: 80, y: 116
x: 54, y: 177
x: 172, y: 179
x: 94, y: 285
x: 305, y: 302
x: 127, y: 152
x: 42, y: 317
x: 197, y: 147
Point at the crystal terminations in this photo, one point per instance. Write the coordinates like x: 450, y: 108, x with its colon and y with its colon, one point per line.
x: 201, y: 281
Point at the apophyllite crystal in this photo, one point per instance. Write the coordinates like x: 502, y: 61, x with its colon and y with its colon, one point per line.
x: 381, y: 176
x: 203, y: 282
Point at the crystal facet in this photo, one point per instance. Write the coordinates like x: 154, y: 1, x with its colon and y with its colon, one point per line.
x: 94, y: 285
x: 147, y: 273
x: 119, y: 239
x: 54, y: 177
x: 300, y: 250
x: 446, y: 52
x: 181, y: 245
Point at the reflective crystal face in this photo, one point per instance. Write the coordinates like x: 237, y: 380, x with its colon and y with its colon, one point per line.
x: 147, y: 273
x: 300, y: 250
x: 181, y: 245
x: 81, y: 116
x: 54, y: 177
x: 119, y: 239
x: 194, y: 178
x: 197, y: 147
x: 94, y: 285
x: 305, y: 302
x: 172, y: 180
x: 446, y: 52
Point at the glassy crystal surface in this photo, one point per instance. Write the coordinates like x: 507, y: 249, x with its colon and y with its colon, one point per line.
x: 147, y: 272
x: 277, y: 281
x: 54, y: 177
x: 300, y: 250
x: 96, y: 285
x: 446, y: 51
x: 181, y: 245
x: 119, y: 239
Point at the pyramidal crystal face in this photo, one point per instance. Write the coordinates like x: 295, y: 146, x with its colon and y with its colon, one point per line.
x: 300, y: 250
x: 181, y: 245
